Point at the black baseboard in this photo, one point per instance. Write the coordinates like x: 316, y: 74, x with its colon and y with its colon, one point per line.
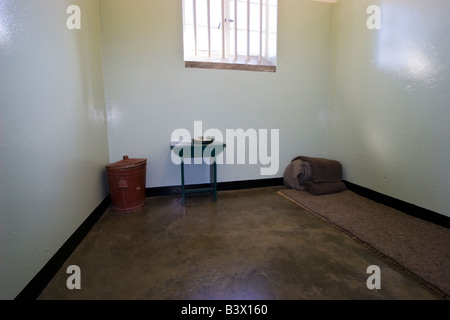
x: 46, y: 274
x: 400, y: 205
x: 221, y: 186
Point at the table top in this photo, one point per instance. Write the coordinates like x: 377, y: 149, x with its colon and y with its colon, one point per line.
x: 196, y: 144
x: 214, y: 148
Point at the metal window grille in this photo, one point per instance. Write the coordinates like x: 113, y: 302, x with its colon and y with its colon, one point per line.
x: 230, y: 29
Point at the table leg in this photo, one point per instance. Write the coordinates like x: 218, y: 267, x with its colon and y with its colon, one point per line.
x: 182, y: 183
x: 213, y: 178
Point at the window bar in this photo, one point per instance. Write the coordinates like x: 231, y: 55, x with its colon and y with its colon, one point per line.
x: 223, y: 29
x: 209, y: 27
x: 260, y: 28
x: 248, y: 29
x: 195, y: 25
x: 267, y: 30
x: 235, y: 30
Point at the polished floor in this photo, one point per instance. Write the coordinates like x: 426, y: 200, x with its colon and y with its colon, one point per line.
x: 249, y: 245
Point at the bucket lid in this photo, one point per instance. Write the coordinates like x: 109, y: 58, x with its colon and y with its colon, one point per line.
x: 127, y: 163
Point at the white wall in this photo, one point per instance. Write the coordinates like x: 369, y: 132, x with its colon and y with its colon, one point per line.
x: 53, y: 139
x: 390, y: 102
x: 149, y: 93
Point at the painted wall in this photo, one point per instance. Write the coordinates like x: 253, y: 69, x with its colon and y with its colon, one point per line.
x: 149, y: 93
x: 53, y: 139
x: 390, y: 101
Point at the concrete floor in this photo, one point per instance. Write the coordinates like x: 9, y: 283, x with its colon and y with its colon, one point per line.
x: 250, y: 245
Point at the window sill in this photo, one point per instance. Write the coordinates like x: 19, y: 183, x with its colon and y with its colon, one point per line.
x: 231, y: 64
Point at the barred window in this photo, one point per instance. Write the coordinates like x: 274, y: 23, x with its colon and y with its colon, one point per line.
x: 230, y: 34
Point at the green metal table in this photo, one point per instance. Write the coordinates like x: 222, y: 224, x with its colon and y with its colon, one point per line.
x: 198, y: 150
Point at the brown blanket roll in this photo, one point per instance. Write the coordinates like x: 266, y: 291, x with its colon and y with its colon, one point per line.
x: 316, y: 175
x: 296, y: 174
x: 323, y: 170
